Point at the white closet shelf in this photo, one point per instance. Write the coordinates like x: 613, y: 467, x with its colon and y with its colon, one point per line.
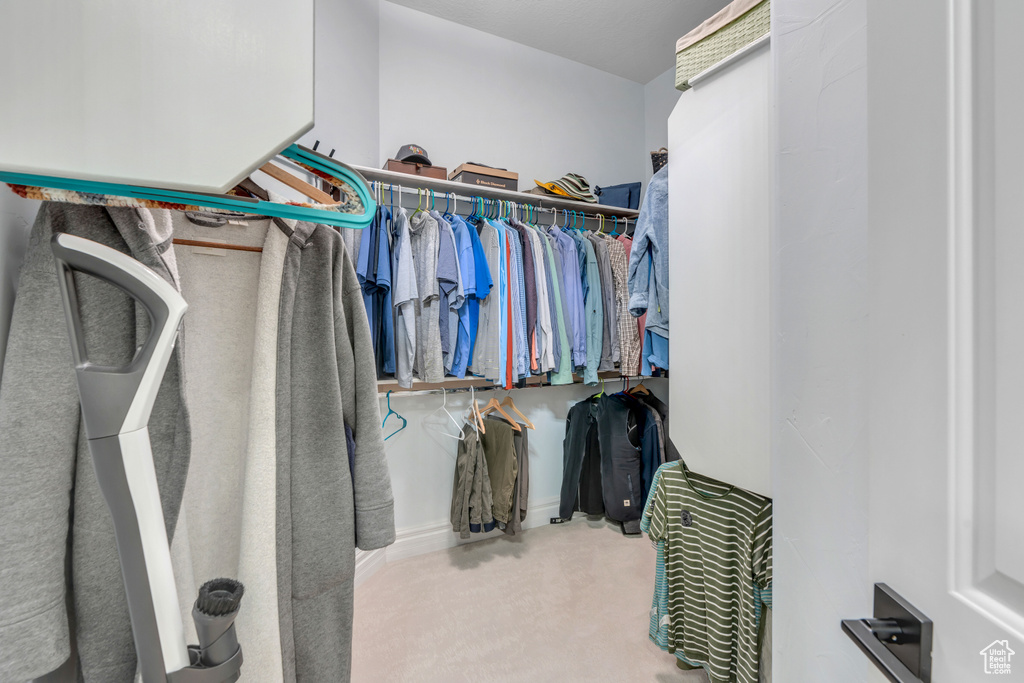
x: 467, y: 191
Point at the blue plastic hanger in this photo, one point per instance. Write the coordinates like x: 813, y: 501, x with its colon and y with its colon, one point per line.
x: 615, y: 227
x: 389, y: 414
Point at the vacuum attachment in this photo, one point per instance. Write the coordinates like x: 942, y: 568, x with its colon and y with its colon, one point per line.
x: 214, y: 616
x: 116, y: 406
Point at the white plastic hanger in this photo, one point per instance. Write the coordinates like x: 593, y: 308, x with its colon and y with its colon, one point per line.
x: 444, y: 407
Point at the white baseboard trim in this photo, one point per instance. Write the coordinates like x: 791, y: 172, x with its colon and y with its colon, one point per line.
x: 433, y: 537
x: 368, y: 562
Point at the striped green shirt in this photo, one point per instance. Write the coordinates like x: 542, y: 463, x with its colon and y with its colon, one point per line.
x: 718, y: 540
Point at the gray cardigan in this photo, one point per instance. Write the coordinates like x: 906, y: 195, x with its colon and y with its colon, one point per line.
x: 55, y: 530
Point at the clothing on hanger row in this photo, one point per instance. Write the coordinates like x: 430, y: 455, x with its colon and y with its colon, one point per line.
x: 713, y: 575
x: 492, y: 478
x: 493, y: 296
x: 613, y: 445
x: 247, y: 414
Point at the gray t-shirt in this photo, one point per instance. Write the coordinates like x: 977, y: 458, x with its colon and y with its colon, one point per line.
x: 557, y: 325
x: 403, y: 299
x: 486, y: 358
x: 424, y: 235
x: 545, y: 357
x: 610, y: 349
x: 449, y: 286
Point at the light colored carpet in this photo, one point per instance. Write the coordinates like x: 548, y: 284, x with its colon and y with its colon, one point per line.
x: 565, y: 602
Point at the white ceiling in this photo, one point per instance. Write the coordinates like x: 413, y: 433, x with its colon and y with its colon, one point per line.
x: 634, y: 39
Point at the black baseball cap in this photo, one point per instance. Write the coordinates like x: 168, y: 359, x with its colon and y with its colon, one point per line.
x: 414, y: 154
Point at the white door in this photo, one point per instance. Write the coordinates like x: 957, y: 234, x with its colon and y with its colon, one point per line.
x: 946, y: 330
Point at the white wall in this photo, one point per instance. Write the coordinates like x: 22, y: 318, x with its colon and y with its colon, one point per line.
x: 820, y: 310
x: 16, y: 217
x: 720, y: 197
x: 660, y: 97
x: 465, y: 95
x: 346, y: 80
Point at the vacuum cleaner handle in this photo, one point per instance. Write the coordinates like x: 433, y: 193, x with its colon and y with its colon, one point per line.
x: 118, y: 400
x: 116, y: 406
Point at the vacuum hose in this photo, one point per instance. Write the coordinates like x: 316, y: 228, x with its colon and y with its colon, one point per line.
x: 214, y: 616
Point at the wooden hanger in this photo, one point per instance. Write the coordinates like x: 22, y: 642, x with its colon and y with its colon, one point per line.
x: 249, y: 186
x: 640, y: 389
x: 493, y: 405
x: 474, y: 412
x: 507, y: 401
x: 478, y: 417
x: 281, y: 175
x: 215, y: 245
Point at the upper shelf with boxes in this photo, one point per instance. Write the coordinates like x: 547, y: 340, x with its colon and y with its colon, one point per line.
x: 571, y: 192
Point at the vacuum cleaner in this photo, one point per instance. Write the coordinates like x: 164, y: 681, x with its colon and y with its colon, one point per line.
x: 116, y: 405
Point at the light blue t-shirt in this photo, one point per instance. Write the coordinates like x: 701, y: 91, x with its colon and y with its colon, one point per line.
x: 503, y: 328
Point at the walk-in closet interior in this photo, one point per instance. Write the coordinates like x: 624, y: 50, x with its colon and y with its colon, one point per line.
x: 426, y: 340
x: 421, y: 402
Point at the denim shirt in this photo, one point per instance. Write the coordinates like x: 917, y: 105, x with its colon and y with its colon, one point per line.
x: 649, y: 259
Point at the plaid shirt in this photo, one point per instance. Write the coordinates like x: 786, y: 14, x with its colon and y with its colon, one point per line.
x: 629, y: 335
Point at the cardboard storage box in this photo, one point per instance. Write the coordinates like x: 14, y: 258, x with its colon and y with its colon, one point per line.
x: 439, y: 172
x: 472, y: 174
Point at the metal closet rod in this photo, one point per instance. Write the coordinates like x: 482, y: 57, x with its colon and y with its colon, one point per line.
x: 431, y: 199
x: 454, y: 385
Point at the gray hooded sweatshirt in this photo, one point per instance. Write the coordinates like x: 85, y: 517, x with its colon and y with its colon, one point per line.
x: 55, y: 530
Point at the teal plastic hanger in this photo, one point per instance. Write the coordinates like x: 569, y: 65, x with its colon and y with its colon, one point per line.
x: 448, y: 215
x: 343, y: 172
x: 389, y: 414
x: 229, y: 202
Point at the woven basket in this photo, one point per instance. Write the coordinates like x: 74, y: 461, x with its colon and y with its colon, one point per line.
x: 711, y: 50
x: 659, y: 159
